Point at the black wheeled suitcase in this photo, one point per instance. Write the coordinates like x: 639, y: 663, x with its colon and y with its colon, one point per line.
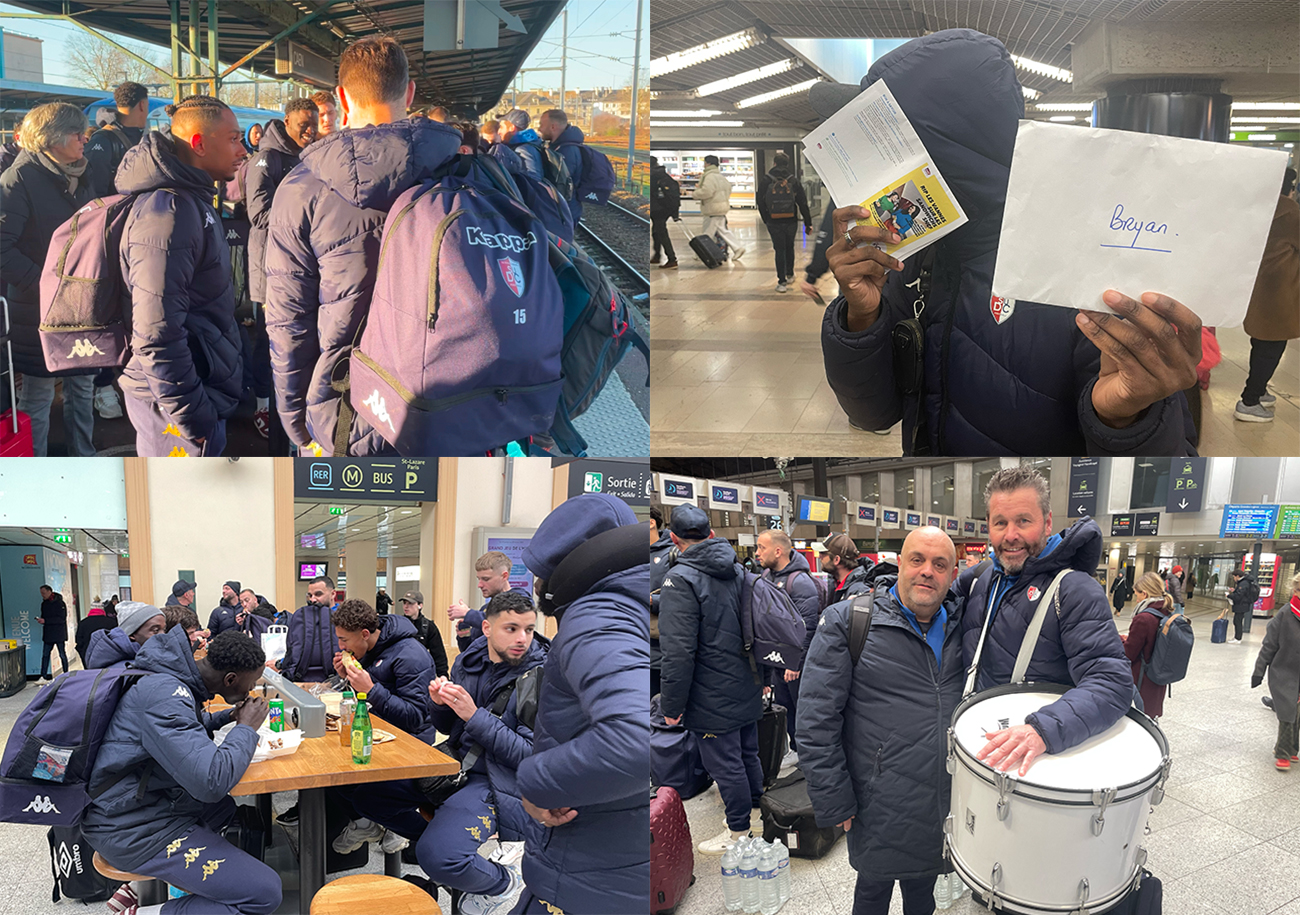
x: 788, y: 816
x: 773, y: 740
x: 706, y: 249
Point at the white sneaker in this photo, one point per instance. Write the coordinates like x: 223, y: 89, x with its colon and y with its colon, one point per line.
x: 737, y: 253
x: 790, y: 759
x: 782, y: 287
x: 356, y: 834
x: 508, y: 854
x: 106, y: 403
x: 479, y: 904
x: 392, y: 843
x: 718, y: 844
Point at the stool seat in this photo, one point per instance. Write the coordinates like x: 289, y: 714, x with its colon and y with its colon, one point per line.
x: 112, y: 873
x: 373, y: 893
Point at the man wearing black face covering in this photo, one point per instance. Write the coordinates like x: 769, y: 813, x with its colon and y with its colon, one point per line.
x: 168, y: 793
x: 999, y: 377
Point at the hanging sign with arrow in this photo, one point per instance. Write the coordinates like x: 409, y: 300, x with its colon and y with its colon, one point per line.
x: 1083, y: 486
x: 1186, y: 481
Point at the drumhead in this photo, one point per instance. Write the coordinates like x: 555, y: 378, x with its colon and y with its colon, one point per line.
x: 1125, y: 753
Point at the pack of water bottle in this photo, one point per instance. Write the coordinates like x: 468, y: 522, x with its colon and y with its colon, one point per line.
x: 948, y: 888
x: 755, y: 876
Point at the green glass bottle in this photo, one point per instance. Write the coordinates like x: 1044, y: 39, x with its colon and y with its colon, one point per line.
x: 361, y: 733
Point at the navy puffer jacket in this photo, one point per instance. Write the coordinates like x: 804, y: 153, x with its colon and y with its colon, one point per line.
x: 401, y: 669
x: 1023, y: 386
x: 109, y: 647
x: 506, y: 743
x: 322, y: 252
x: 802, y: 590
x: 660, y: 556
x: 591, y: 746
x: 856, y: 581
x: 1080, y: 647
x: 159, y: 721
x: 704, y: 672
x: 276, y: 156
x: 222, y: 617
x: 186, y: 352
x: 884, y: 723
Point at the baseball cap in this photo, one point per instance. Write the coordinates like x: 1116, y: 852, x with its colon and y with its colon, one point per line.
x: 181, y: 587
x: 841, y: 545
x: 412, y: 597
x: 691, y: 523
x: 518, y: 117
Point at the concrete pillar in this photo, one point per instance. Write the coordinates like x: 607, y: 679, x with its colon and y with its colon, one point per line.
x: 361, y: 557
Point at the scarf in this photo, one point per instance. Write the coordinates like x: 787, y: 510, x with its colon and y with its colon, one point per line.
x: 1295, y: 605
x: 72, y: 171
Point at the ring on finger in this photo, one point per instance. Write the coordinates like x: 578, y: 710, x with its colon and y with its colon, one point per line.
x: 848, y: 238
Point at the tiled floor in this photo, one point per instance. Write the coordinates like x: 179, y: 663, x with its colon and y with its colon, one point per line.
x: 736, y: 367
x: 1225, y: 841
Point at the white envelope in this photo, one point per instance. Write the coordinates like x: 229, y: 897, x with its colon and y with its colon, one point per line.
x: 1093, y: 209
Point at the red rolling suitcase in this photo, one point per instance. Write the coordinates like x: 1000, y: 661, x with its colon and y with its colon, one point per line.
x: 672, y: 853
x: 16, y: 444
x: 15, y: 427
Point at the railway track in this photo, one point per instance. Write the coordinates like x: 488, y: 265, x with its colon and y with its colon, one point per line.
x: 608, y: 245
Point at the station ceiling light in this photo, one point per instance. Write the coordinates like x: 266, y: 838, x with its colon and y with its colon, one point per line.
x: 1239, y: 128
x: 1030, y: 94
x: 1266, y: 119
x: 700, y: 113
x: 1261, y: 136
x: 710, y: 50
x: 697, y: 123
x: 1064, y: 106
x: 1033, y: 66
x: 779, y: 93
x: 1064, y: 118
x: 749, y: 76
x: 1266, y: 106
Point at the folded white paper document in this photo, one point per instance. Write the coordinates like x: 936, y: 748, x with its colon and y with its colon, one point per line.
x: 868, y: 154
x: 1093, y: 209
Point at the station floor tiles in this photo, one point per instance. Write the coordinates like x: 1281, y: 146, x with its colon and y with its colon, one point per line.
x: 25, y: 880
x: 736, y: 368
x: 1225, y: 841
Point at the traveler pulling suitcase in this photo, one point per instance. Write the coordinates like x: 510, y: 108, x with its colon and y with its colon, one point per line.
x: 672, y: 853
x: 788, y: 816
x: 706, y: 249
x: 1219, y: 631
x: 773, y: 740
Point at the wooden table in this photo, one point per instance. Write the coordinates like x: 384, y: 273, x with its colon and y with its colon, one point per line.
x: 320, y: 763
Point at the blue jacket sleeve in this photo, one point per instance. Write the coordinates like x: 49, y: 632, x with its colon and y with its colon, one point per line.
x: 1165, y: 427
x: 860, y: 366
x: 1102, y: 676
x: 823, y: 701
x: 609, y: 758
x: 808, y: 602
x: 500, y: 742
x: 407, y: 705
x: 292, y: 309
x: 181, y: 745
x: 162, y: 253
x: 261, y: 190
x: 15, y: 209
x: 679, y: 628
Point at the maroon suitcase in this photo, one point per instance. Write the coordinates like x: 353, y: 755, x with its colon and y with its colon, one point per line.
x: 672, y: 854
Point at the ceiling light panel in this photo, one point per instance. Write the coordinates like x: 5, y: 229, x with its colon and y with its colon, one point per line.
x: 749, y: 76
x: 779, y: 93
x: 710, y: 50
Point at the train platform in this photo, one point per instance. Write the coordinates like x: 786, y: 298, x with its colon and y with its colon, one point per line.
x: 737, y: 367
x: 1225, y: 840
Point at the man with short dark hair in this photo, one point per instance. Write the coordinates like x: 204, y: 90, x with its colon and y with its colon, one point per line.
x: 327, y: 111
x: 185, y: 375
x: 323, y: 244
x: 665, y: 204
x: 781, y: 200
x: 425, y: 630
x: 311, y: 644
x: 137, y: 623
x: 565, y: 138
x: 525, y: 142
x: 1242, y: 599
x: 109, y: 143
x: 224, y: 615
x: 849, y: 571
x: 160, y: 789
x: 714, y: 194
x: 787, y: 568
x: 706, y: 683
x: 440, y: 114
x: 1078, y: 645
x: 176, y: 615
x: 54, y: 629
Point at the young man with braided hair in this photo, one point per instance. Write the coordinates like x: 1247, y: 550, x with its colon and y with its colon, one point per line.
x: 185, y: 376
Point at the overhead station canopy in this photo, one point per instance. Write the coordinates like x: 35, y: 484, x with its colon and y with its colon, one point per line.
x: 750, y: 34
x: 465, y: 79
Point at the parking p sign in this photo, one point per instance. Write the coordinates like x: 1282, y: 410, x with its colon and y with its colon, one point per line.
x: 592, y: 482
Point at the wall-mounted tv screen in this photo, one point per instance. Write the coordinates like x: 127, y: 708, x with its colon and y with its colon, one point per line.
x: 309, y: 570
x: 813, y: 509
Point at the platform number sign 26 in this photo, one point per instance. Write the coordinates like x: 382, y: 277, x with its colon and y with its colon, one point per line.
x: 593, y: 482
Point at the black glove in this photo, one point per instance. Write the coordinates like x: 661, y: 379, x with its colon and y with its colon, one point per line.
x: 1255, y: 681
x: 807, y: 226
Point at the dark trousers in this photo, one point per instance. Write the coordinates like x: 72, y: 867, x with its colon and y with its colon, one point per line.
x: 1264, y: 357
x: 659, y: 233
x: 158, y: 436
x: 786, y: 694
x: 447, y: 847
x: 871, y: 897
x: 220, y: 878
x: 783, y: 232
x: 1288, y: 737
x: 1238, y: 619
x: 654, y: 681
x: 45, y: 657
x: 732, y: 760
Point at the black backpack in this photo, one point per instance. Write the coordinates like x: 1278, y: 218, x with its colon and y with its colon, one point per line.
x: 781, y: 198
x: 74, y: 872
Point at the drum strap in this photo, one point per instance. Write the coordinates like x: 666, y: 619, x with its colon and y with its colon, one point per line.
x: 1030, y: 641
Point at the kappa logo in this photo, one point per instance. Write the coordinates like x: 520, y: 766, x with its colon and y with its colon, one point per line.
x: 516, y: 243
x: 182, y: 691
x: 261, y: 163
x: 41, y: 805
x: 207, y: 219
x: 668, y: 582
x: 1033, y: 593
x: 513, y: 273
x: 775, y: 657
x: 232, y: 235
x: 1002, y: 308
x: 98, y: 146
x: 83, y: 347
x: 379, y: 408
